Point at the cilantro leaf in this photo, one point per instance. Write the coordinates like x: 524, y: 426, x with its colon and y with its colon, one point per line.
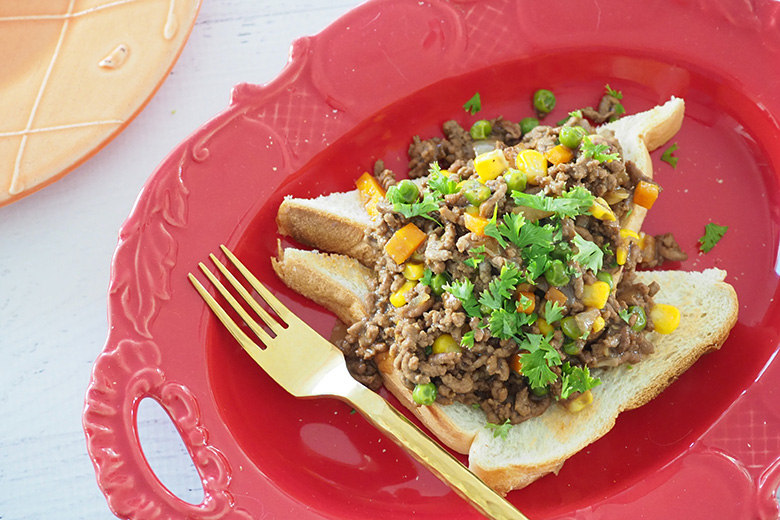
x: 576, y: 379
x: 589, y: 255
x: 439, y: 182
x: 500, y: 430
x: 468, y: 339
x: 625, y: 315
x: 427, y: 277
x: 553, y: 311
x: 712, y: 235
x: 501, y: 288
x: 536, y: 363
x: 422, y: 208
x: 668, y: 157
x: 477, y: 259
x: 597, y: 151
x: 464, y: 291
x: 571, y: 203
x: 474, y: 104
x: 504, y: 324
x: 491, y: 229
x: 614, y: 93
x: 511, y: 226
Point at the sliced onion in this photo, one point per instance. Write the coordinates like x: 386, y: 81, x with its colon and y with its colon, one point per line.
x: 484, y: 146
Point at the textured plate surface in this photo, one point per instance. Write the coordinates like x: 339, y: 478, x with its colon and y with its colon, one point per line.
x: 73, y: 73
x: 708, y: 447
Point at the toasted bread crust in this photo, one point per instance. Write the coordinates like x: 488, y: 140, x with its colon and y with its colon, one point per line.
x: 327, y: 230
x: 338, y: 283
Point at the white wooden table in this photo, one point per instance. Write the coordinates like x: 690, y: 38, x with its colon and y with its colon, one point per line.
x: 55, y: 252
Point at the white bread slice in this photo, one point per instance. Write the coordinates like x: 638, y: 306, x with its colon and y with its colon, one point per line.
x: 639, y: 134
x: 708, y: 308
x: 335, y: 223
x: 339, y: 283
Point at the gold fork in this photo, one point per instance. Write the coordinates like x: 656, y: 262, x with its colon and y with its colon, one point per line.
x: 317, y: 368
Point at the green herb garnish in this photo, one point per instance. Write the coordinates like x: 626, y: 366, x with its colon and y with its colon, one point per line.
x: 500, y: 430
x: 712, y: 235
x: 474, y: 104
x: 571, y: 203
x: 576, y: 379
x: 589, y: 255
x: 553, y: 311
x: 464, y: 291
x: 537, y: 361
x: 597, y: 151
x: 668, y: 157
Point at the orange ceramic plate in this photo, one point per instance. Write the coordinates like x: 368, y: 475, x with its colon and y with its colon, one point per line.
x: 73, y: 74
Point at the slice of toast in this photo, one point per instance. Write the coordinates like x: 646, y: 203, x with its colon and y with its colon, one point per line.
x: 538, y: 446
x: 337, y: 222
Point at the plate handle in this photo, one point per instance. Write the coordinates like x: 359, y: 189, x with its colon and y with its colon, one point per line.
x: 122, y: 377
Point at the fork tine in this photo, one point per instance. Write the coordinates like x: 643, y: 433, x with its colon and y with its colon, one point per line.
x: 257, y: 329
x: 244, y: 340
x: 278, y: 307
x: 267, y: 318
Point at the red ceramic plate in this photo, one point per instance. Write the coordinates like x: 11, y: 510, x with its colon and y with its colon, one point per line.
x: 708, y: 447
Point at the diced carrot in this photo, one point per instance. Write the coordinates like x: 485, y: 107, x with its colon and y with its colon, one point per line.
x: 558, y: 154
x: 515, y: 363
x: 370, y: 192
x: 646, y: 193
x: 475, y: 223
x: 404, y: 243
x: 531, y: 305
x: 554, y: 294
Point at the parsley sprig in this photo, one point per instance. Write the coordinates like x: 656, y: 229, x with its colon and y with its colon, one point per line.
x: 500, y: 430
x: 571, y: 203
x: 589, y: 255
x: 712, y: 235
x: 597, y: 151
x: 537, y: 362
x: 474, y: 104
x: 576, y: 379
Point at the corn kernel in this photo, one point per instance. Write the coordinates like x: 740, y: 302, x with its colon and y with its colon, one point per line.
x: 596, y: 294
x: 398, y: 298
x: 598, y: 325
x: 445, y: 343
x: 533, y: 164
x: 580, y: 403
x: 544, y: 327
x: 621, y: 255
x: 490, y: 165
x: 601, y: 210
x: 413, y: 270
x: 630, y: 234
x: 666, y: 318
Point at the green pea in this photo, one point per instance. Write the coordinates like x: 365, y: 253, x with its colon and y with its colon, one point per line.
x: 570, y: 328
x: 556, y: 274
x: 562, y: 251
x: 438, y: 282
x: 424, y: 394
x: 527, y: 124
x: 606, y: 277
x: 540, y: 391
x: 481, y: 129
x: 475, y: 192
x: 515, y: 180
x: 544, y: 101
x: 572, y: 348
x: 408, y: 191
x: 641, y: 318
x: 571, y: 136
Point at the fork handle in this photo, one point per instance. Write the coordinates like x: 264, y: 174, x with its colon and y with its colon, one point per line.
x: 449, y: 469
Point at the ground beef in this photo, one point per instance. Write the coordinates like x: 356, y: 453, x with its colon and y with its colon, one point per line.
x: 482, y: 375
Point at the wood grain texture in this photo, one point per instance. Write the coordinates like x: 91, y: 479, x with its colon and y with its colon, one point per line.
x: 55, y: 250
